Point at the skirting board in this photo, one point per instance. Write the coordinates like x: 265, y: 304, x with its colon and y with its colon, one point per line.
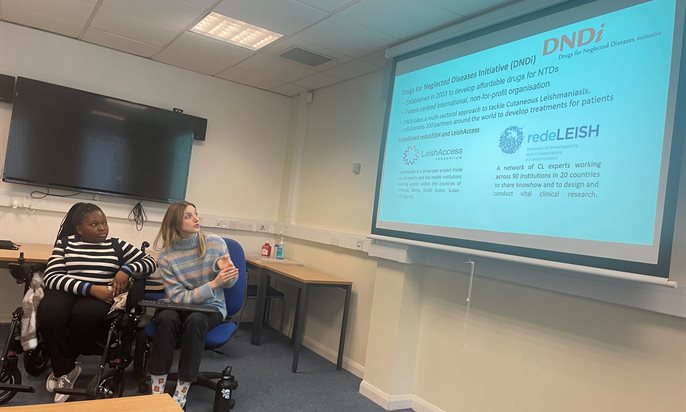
x: 395, y: 402
x: 332, y: 355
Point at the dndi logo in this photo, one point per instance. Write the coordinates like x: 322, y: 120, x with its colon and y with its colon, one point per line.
x: 411, y: 155
x: 511, y: 139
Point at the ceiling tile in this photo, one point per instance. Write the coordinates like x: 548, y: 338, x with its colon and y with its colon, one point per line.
x: 289, y: 89
x: 75, y: 11
x: 41, y: 21
x: 345, y: 37
x: 352, y: 69
x: 278, y: 68
x: 122, y: 43
x: 249, y: 77
x: 205, y: 4
x: 469, y: 7
x: 133, y: 27
x: 170, y: 13
x: 384, y: 16
x: 316, y: 81
x: 377, y: 59
x: 327, y: 5
x: 201, y: 54
x: 285, y: 17
x: 287, y: 44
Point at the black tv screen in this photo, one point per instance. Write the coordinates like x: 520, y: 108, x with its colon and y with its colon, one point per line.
x: 72, y: 139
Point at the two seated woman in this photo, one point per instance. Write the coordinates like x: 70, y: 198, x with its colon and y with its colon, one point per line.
x: 88, y: 269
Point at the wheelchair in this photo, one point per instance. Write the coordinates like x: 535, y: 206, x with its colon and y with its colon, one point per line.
x: 35, y: 360
x: 117, y: 350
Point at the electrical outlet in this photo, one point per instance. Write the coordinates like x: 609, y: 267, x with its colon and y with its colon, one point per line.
x: 359, y: 244
x: 261, y: 227
x: 334, y: 240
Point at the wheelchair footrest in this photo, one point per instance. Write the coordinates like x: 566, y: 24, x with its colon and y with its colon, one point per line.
x: 16, y: 388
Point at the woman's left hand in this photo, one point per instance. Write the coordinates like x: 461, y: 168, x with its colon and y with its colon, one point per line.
x: 120, y: 283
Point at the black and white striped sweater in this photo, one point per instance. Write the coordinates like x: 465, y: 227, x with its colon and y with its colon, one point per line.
x: 78, y: 265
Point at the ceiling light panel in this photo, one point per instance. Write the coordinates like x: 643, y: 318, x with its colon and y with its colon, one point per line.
x: 235, y: 31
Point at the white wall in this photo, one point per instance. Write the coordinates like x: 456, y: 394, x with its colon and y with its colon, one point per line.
x: 525, y: 348
x: 235, y: 172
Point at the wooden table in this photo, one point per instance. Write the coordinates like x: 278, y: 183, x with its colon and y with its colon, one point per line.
x: 33, y: 253
x: 146, y: 403
x: 303, y: 278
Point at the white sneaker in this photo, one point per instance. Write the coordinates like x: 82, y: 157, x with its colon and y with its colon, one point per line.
x: 51, y: 383
x: 67, y: 382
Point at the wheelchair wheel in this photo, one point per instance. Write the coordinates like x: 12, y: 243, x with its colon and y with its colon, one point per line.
x: 11, y: 376
x: 111, y: 385
x: 35, y: 362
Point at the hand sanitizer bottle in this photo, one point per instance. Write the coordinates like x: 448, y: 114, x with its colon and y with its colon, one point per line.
x: 279, y: 249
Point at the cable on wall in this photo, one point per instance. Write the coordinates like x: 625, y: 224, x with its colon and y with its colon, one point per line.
x: 138, y: 216
x: 469, y: 300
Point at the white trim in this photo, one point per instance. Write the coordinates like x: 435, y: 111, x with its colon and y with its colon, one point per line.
x: 332, y: 355
x: 386, y: 401
x: 420, y: 405
x: 633, y: 277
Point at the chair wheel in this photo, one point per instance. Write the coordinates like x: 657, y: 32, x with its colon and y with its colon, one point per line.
x: 10, y: 376
x: 111, y: 385
x: 35, y: 362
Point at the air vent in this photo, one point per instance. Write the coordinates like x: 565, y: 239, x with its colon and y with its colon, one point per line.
x: 306, y: 57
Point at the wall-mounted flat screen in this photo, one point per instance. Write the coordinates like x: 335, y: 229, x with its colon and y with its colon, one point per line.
x: 66, y: 138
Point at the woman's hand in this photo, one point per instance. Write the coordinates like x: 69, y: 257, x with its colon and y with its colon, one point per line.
x: 224, y: 276
x: 102, y: 293
x: 224, y: 262
x: 120, y: 283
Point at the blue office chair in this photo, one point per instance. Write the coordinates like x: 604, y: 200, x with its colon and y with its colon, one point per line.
x: 220, y: 334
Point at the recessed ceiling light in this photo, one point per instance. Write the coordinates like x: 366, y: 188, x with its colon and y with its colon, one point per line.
x: 235, y: 31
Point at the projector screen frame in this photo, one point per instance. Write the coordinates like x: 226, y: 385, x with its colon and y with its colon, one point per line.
x: 659, y: 269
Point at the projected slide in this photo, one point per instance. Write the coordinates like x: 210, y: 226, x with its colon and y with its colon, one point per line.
x: 564, y: 135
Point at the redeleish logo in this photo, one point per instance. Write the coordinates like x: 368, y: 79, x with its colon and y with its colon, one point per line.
x: 411, y: 155
x: 511, y: 139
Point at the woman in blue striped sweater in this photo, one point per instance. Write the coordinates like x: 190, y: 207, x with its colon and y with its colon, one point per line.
x: 86, y: 271
x: 195, y: 268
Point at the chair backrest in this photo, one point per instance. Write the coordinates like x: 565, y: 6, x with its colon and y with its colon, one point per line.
x: 235, y: 296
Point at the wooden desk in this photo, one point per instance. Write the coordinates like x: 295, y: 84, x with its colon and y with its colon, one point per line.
x: 147, y: 403
x: 302, y: 277
x: 33, y: 253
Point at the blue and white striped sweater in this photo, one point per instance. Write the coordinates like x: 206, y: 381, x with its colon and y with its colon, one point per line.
x: 187, y: 276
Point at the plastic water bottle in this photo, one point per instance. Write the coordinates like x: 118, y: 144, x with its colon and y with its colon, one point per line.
x: 223, y: 392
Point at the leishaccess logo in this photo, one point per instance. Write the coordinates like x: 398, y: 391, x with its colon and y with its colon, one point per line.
x: 511, y: 139
x: 410, y: 155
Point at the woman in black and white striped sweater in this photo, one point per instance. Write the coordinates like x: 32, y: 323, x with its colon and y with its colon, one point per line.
x: 86, y: 271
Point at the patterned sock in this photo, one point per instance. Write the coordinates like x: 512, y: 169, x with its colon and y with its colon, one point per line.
x: 181, y: 392
x: 158, y: 382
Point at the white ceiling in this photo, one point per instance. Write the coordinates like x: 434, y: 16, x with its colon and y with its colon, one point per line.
x: 353, y: 32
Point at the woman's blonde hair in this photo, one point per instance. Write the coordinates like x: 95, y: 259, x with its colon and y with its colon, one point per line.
x: 170, y: 230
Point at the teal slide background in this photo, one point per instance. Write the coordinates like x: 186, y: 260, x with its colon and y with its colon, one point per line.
x: 616, y: 84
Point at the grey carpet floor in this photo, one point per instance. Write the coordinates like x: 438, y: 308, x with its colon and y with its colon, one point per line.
x: 265, y: 381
